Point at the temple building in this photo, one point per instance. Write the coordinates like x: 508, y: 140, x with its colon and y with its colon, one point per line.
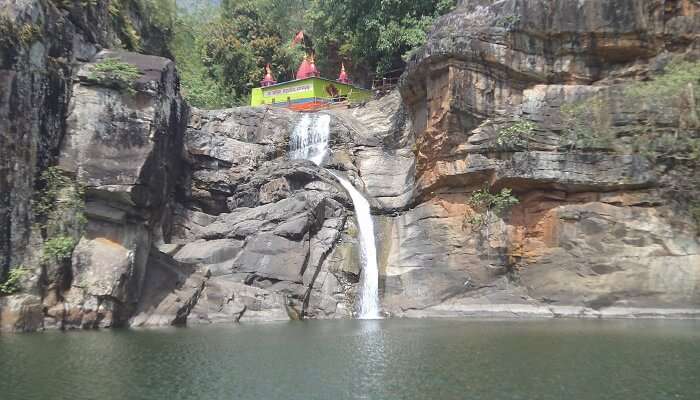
x: 309, y: 91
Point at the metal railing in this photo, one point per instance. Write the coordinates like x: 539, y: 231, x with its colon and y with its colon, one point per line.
x: 385, y: 84
x: 316, y: 103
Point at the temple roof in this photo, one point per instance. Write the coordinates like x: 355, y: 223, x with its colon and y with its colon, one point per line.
x: 269, y: 79
x: 307, y: 69
x: 343, y: 78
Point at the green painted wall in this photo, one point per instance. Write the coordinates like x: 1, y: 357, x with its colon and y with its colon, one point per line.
x: 305, y: 89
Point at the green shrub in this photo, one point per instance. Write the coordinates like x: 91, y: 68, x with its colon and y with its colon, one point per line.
x: 12, y: 34
x: 28, y: 33
x: 486, y: 204
x: 7, y: 32
x: 129, y: 36
x: 60, y: 200
x: 66, y: 4
x: 666, y: 86
x: 54, y: 181
x: 517, y: 134
x: 58, y: 248
x: 115, y: 73
x: 695, y: 212
x: 12, y: 283
x: 509, y: 22
x: 588, y: 124
x: 59, y: 209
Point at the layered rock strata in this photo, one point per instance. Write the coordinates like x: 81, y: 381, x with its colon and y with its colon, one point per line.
x: 596, y: 227
x: 201, y: 217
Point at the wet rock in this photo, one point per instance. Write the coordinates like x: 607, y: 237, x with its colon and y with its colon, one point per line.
x: 171, y: 290
x: 209, y: 252
x: 125, y: 148
x: 21, y: 313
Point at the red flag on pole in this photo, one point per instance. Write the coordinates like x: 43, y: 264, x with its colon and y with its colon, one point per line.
x: 298, y: 38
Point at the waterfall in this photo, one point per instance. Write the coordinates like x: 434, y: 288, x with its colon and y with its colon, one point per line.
x: 309, y: 141
x: 369, y: 277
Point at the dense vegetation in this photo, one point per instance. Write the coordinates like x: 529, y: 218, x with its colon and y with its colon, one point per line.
x: 60, y: 210
x: 486, y: 205
x: 222, y: 50
x: 667, y: 97
x: 115, y: 73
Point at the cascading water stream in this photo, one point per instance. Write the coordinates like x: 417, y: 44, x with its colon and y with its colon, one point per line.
x: 309, y: 141
x: 369, y: 277
x: 310, y: 138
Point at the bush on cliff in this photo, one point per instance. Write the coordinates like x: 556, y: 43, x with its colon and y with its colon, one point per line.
x: 12, y: 283
x: 517, y: 134
x: 114, y: 73
x: 58, y: 248
x: 589, y: 123
x: 485, y: 205
x: 59, y: 210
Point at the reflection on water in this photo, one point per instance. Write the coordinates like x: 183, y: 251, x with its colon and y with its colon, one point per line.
x: 375, y: 359
x: 370, y: 359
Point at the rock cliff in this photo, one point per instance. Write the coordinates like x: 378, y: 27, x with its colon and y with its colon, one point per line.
x: 539, y: 159
x: 545, y: 98
x: 43, y: 46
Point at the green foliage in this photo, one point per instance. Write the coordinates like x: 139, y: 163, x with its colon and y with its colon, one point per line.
x: 58, y: 248
x: 28, y: 33
x: 486, y: 205
x: 352, y: 231
x: 115, y: 73
x: 509, y: 22
x: 161, y: 14
x: 371, y: 36
x: 129, y: 36
x: 80, y: 3
x: 588, y: 124
x: 222, y: 51
x: 13, y: 34
x: 60, y: 205
x: 675, y: 78
x: 496, y: 203
x: 11, y: 285
x: 517, y: 134
x: 201, y: 85
x: 8, y: 33
x: 54, y: 181
x: 695, y: 212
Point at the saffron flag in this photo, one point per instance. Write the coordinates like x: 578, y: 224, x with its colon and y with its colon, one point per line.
x: 298, y: 38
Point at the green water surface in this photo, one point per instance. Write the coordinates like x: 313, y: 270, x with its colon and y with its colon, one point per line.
x: 393, y: 359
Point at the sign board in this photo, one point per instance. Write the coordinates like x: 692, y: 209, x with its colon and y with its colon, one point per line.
x: 287, y: 90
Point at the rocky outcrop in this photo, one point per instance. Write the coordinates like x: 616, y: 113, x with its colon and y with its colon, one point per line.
x: 125, y: 149
x: 42, y: 44
x: 595, y: 226
x: 259, y: 224
x: 201, y: 217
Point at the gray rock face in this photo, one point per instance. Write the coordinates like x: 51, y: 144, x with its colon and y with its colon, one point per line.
x: 42, y: 44
x: 171, y: 290
x: 382, y: 155
x: 126, y: 150
x: 202, y: 218
x: 35, y: 75
x: 260, y: 225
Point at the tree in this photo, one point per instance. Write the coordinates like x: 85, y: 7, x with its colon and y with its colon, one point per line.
x: 372, y: 36
x: 222, y: 55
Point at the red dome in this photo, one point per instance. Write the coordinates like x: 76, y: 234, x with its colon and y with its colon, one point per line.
x: 307, y: 69
x: 269, y: 79
x: 343, y: 78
